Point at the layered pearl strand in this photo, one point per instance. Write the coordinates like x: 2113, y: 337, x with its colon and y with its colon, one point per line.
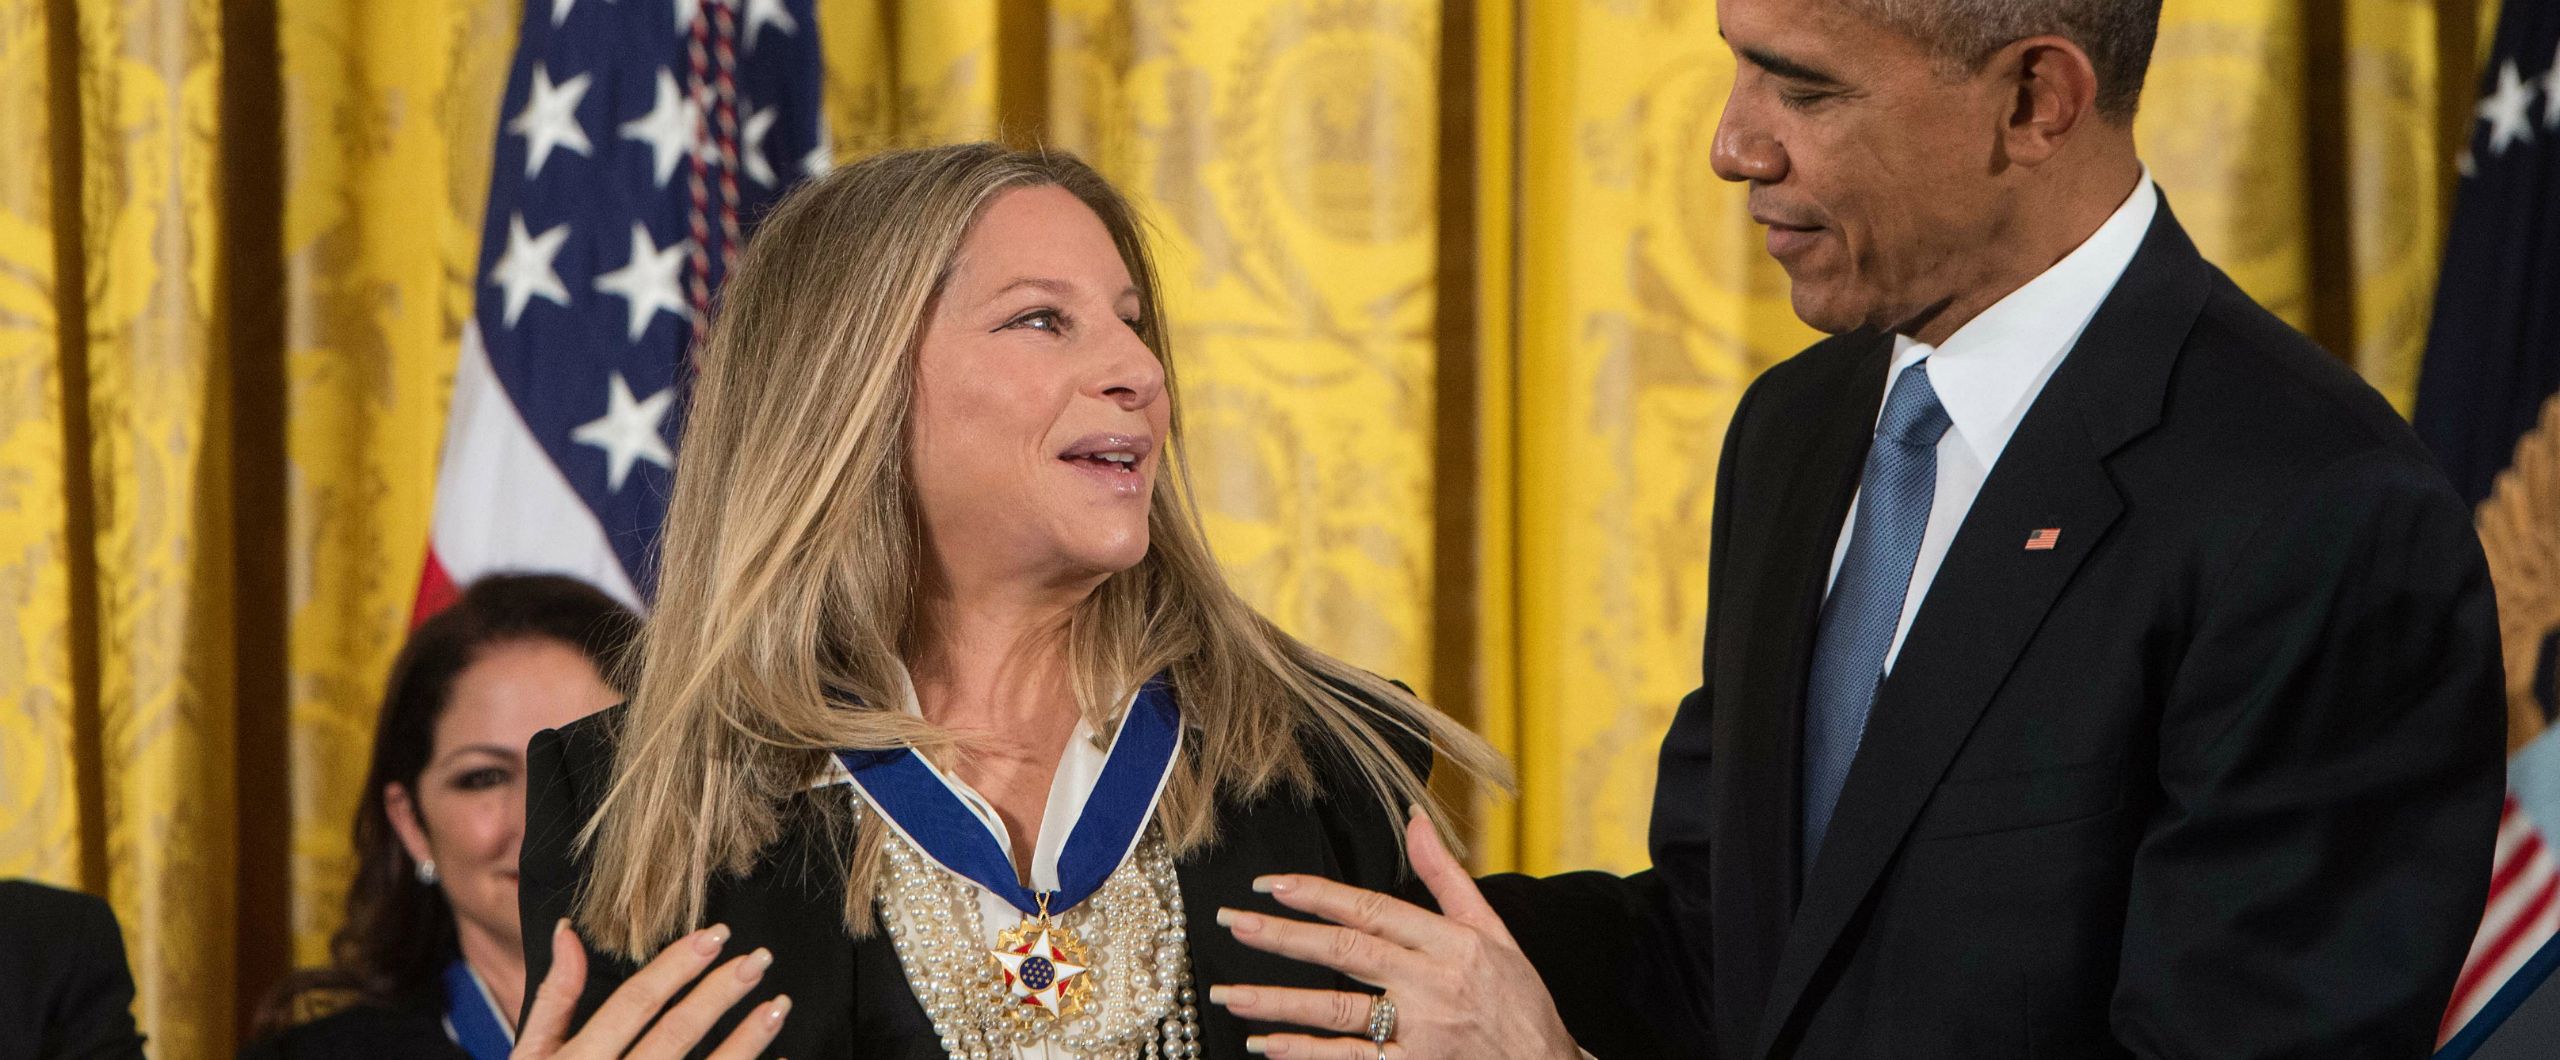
x: 1142, y: 1004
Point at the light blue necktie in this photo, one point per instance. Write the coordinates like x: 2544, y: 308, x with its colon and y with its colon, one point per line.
x: 1865, y: 605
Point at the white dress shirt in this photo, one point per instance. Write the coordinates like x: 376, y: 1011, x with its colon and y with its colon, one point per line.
x: 1989, y: 373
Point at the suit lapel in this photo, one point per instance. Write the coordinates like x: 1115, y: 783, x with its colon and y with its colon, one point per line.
x: 1798, y: 562
x: 1991, y: 592
x: 1783, y: 564
x: 1989, y: 596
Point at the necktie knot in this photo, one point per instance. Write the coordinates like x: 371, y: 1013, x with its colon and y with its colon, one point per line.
x: 1912, y: 414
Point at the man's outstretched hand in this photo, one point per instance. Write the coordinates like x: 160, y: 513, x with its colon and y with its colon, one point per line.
x: 1461, y: 987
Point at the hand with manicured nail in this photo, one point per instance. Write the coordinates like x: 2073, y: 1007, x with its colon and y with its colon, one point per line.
x: 1461, y: 987
x: 643, y: 998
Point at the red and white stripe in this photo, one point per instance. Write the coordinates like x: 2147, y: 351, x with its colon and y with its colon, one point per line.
x: 698, y: 212
x: 501, y: 504
x: 2524, y: 914
x: 714, y: 91
x: 724, y: 123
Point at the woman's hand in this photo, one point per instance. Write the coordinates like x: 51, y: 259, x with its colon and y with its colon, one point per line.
x: 1461, y: 987
x: 641, y: 998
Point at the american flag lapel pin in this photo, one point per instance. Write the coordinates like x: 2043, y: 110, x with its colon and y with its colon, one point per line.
x: 2044, y: 540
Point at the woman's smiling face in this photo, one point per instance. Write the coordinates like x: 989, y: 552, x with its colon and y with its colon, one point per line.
x: 467, y: 814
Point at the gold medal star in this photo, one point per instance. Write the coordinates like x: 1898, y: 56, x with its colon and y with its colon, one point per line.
x: 1039, y: 975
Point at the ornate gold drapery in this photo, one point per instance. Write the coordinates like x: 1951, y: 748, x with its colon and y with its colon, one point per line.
x: 1459, y: 307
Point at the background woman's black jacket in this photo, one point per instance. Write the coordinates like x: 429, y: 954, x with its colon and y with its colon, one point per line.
x: 371, y: 1032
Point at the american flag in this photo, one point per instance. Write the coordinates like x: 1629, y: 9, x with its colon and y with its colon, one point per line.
x: 2489, y: 405
x: 638, y: 141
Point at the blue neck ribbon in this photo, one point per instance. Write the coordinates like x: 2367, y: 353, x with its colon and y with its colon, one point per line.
x: 471, y: 1018
x: 924, y: 809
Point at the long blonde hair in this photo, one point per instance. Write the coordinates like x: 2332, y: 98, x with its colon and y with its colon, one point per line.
x: 787, y: 594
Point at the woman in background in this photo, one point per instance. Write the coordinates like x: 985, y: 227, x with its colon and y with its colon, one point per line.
x: 429, y: 962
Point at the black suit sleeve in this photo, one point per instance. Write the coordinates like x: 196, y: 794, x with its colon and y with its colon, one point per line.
x: 1612, y: 952
x: 92, y: 1018
x: 2330, y: 778
x: 1600, y: 947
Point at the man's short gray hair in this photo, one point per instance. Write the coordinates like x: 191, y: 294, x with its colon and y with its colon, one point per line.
x: 2117, y: 34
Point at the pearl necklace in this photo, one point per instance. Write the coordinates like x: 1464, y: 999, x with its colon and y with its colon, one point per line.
x: 1142, y: 1003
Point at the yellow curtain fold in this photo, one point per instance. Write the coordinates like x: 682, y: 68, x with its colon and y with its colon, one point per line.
x: 143, y: 362
x: 901, y: 73
x: 388, y: 111
x: 2307, y: 147
x: 41, y: 766
x: 1479, y: 622
x: 1645, y: 306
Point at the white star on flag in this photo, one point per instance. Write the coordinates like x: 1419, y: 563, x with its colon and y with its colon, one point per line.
x: 1057, y: 970
x: 820, y: 159
x: 2507, y: 110
x: 650, y: 282
x: 560, y: 10
x: 524, y: 270
x: 761, y: 13
x: 758, y: 124
x: 550, y: 119
x: 670, y: 127
x: 2551, y: 93
x: 686, y: 12
x: 628, y: 431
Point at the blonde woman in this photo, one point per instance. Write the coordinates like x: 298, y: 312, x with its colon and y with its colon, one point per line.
x: 946, y: 720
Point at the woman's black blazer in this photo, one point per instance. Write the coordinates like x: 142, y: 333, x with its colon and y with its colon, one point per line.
x: 849, y: 997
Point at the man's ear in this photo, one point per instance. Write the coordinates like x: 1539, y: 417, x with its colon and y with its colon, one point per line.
x: 2054, y: 93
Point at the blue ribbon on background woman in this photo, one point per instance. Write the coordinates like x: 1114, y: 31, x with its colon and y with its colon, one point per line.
x: 471, y: 1015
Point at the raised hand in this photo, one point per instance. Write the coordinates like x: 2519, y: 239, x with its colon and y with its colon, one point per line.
x: 1460, y: 985
x: 643, y: 997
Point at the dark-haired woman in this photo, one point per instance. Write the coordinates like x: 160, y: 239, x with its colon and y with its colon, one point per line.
x: 430, y: 959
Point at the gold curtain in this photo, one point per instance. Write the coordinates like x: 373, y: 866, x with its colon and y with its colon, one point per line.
x: 1460, y: 315
x: 115, y: 481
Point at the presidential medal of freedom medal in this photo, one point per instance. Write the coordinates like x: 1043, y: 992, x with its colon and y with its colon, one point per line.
x: 1046, y: 967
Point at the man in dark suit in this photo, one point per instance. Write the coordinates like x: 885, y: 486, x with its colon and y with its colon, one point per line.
x: 2094, y: 667
x: 65, y: 993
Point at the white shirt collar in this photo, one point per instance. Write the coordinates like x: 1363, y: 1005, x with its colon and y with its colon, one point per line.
x: 1989, y: 371
x: 1078, y: 769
